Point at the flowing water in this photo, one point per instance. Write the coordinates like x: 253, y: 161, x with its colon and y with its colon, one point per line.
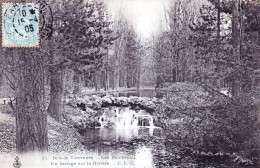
x: 131, y: 134
x: 126, y: 118
x: 128, y: 135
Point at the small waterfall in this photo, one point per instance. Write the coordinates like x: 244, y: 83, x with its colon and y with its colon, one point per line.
x: 145, y: 121
x: 102, y: 121
x: 126, y: 118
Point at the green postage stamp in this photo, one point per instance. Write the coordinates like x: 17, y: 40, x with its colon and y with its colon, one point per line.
x: 20, y: 25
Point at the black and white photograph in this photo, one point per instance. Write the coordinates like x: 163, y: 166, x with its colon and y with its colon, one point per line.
x: 130, y: 84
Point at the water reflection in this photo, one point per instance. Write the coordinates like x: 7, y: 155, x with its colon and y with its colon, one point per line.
x: 146, y: 147
x: 109, y: 135
x: 123, y: 132
x: 122, y: 142
x: 144, y: 157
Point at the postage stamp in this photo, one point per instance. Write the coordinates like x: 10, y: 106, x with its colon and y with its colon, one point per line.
x: 20, y: 25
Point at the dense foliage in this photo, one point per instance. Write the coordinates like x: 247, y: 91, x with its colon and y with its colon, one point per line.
x: 216, y: 46
x: 211, y: 124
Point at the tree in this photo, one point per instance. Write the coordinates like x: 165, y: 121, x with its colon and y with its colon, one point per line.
x: 31, y: 116
x: 81, y: 38
x: 173, y: 52
x: 211, y: 44
x: 131, y: 58
x: 121, y: 27
x: 223, y: 46
x: 124, y: 60
x: 25, y: 69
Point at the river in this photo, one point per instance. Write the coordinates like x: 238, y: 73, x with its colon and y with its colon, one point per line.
x: 131, y: 134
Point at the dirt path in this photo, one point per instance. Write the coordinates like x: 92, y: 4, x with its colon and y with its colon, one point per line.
x: 7, y: 130
x: 4, y: 101
x: 5, y: 115
x: 62, y: 137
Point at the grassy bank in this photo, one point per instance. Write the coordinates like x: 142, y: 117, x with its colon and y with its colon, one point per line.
x: 209, y: 124
x: 62, y: 137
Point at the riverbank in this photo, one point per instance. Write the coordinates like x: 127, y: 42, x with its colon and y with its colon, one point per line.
x: 194, y: 120
x: 206, y: 122
x: 63, y: 138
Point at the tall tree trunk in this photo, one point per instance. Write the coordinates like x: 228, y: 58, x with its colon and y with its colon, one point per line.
x: 236, y: 45
x: 236, y: 29
x: 117, y: 67
x: 124, y: 79
x: 107, y: 80
x: 31, y: 117
x: 76, y: 81
x: 128, y: 78
x: 106, y: 86
x: 218, y: 21
x: 215, y: 82
x: 56, y: 84
x: 138, y: 81
x: 116, y: 79
x: 104, y: 79
x: 259, y: 35
x: 97, y: 80
x: 1, y: 78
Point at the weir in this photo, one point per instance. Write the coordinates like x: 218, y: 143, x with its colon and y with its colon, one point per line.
x: 126, y: 118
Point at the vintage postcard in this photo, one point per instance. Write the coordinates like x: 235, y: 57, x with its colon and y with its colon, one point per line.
x: 20, y: 26
x: 130, y: 84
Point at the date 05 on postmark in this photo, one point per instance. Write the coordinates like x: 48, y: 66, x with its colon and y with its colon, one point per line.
x: 20, y: 25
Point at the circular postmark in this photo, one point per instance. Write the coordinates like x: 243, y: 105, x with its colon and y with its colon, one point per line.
x: 20, y: 25
x: 26, y: 24
x: 46, y: 19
